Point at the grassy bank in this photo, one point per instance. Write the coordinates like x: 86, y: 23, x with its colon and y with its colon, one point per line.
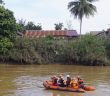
x: 88, y: 50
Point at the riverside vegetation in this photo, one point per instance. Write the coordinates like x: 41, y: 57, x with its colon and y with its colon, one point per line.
x: 88, y: 50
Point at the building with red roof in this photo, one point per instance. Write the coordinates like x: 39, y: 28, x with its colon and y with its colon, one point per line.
x: 54, y: 33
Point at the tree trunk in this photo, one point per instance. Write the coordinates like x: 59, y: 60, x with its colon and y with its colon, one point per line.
x: 80, y: 27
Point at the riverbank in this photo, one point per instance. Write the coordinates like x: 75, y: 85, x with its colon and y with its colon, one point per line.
x: 88, y: 50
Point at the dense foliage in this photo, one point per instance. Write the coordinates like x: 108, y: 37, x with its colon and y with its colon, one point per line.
x: 1, y: 2
x: 7, y: 30
x: 22, y: 26
x: 107, y: 46
x: 7, y: 23
x: 87, y: 50
x: 32, y: 26
x: 58, y: 26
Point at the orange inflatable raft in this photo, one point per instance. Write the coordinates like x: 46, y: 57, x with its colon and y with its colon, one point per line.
x: 89, y: 88
x: 48, y: 85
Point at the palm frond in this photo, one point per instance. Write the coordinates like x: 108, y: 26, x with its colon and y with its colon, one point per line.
x: 92, y: 0
x: 71, y: 4
x: 81, y: 8
x: 90, y: 10
x: 1, y: 2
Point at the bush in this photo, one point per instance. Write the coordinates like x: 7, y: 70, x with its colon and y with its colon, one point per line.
x: 107, y: 47
x: 87, y: 50
x: 7, y: 31
x: 24, y: 51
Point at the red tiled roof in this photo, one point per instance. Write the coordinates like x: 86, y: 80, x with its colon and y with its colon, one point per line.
x: 42, y: 33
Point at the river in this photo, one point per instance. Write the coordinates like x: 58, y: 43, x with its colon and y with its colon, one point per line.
x: 26, y: 80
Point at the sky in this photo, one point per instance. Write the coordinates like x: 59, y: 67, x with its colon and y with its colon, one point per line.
x: 49, y: 12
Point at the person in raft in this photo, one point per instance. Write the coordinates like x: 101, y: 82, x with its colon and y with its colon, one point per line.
x: 74, y: 83
x: 61, y: 81
x: 68, y: 81
x: 80, y: 82
x: 54, y: 80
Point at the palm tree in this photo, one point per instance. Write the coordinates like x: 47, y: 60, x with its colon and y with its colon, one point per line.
x: 81, y: 8
x: 1, y: 2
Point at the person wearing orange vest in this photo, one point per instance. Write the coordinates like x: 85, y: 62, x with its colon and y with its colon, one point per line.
x: 74, y: 84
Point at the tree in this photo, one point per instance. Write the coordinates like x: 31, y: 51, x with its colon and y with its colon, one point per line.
x: 22, y: 22
x: 7, y: 24
x: 58, y: 26
x: 5, y: 45
x: 8, y: 29
x: 38, y: 26
x: 1, y: 2
x: 81, y: 8
x: 21, y: 25
x: 31, y: 26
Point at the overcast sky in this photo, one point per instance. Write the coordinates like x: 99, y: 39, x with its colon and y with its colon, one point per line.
x: 48, y: 12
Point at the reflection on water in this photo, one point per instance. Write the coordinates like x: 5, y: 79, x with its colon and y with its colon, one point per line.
x: 26, y: 80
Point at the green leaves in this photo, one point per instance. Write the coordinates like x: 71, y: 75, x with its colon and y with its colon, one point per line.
x: 1, y: 2
x: 7, y: 24
x: 32, y: 26
x: 107, y: 46
x: 5, y: 45
x: 58, y: 26
x: 82, y: 8
x: 88, y: 50
x: 92, y: 0
x: 7, y: 30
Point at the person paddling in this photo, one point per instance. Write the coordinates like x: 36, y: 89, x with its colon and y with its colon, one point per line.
x: 61, y: 81
x: 68, y: 80
x: 80, y: 82
x: 54, y: 80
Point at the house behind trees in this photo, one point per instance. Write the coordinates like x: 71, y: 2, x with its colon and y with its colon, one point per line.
x: 103, y: 33
x: 61, y: 34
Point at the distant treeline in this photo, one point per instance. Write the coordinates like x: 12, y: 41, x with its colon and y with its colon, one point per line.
x: 88, y: 50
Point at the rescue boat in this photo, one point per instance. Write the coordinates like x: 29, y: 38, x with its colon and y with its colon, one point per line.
x: 48, y: 85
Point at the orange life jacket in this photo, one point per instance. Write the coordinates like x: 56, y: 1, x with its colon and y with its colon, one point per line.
x: 74, y: 84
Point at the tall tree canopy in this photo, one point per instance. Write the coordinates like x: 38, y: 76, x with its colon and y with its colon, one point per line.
x: 2, y: 2
x: 81, y: 8
x: 7, y: 23
x: 31, y: 26
x: 21, y: 25
x: 58, y: 26
x: 7, y: 29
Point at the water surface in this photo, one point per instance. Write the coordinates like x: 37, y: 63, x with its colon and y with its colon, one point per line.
x: 26, y: 80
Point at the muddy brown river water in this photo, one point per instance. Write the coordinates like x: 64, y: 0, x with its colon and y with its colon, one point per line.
x: 26, y: 80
